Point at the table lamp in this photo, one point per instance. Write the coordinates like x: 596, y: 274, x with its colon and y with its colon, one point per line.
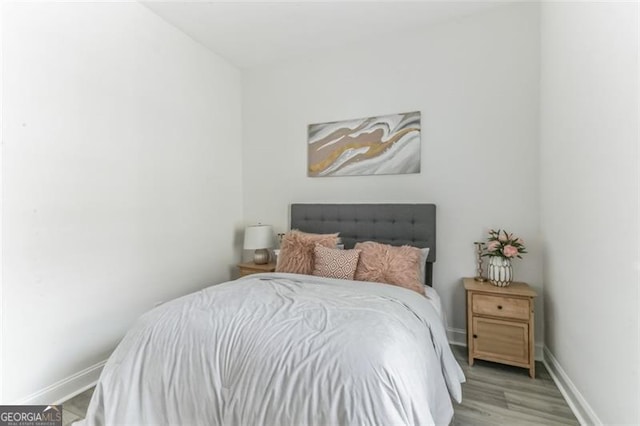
x: 260, y: 239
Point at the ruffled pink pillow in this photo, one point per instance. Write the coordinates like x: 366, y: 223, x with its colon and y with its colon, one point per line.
x: 296, y: 251
x: 388, y: 264
x: 335, y: 263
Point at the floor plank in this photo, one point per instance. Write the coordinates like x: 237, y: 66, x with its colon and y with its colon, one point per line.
x: 78, y: 404
x: 68, y: 417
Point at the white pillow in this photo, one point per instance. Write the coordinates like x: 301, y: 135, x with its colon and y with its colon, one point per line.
x: 424, y: 253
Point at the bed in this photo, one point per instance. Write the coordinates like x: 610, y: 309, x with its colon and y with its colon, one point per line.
x: 291, y: 349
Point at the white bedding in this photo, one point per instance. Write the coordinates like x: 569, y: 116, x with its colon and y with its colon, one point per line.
x: 283, y: 349
x: 434, y: 299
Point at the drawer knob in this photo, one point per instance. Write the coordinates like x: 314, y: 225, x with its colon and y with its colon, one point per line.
x: 475, y: 336
x: 499, y: 306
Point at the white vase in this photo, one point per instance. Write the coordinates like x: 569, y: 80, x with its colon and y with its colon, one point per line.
x: 500, y: 271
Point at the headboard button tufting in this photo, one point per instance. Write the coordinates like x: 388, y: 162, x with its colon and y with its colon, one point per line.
x: 395, y: 224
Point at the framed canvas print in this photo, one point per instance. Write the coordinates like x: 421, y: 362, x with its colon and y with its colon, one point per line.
x: 383, y: 145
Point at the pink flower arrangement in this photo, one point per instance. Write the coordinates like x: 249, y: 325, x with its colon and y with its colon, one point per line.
x: 503, y: 244
x: 510, y: 251
x: 492, y: 245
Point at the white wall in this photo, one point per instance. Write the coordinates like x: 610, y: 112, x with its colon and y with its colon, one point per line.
x: 1, y: 119
x: 476, y: 82
x: 589, y: 187
x: 121, y: 180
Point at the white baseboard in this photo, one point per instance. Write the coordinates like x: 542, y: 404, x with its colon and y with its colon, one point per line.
x: 458, y: 337
x: 66, y: 388
x: 580, y: 407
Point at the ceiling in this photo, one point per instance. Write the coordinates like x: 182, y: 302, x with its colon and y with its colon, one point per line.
x: 248, y: 34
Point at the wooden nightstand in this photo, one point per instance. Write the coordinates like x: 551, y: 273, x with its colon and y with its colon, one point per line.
x: 500, y: 323
x: 251, y: 268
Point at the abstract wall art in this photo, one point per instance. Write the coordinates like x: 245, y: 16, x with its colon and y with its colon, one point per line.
x: 384, y: 145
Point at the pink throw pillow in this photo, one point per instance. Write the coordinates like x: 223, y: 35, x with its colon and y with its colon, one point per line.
x: 296, y: 251
x: 335, y: 263
x: 388, y: 264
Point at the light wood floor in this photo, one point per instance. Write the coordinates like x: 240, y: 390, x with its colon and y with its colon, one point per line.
x: 496, y: 394
x: 493, y: 395
x: 76, y: 408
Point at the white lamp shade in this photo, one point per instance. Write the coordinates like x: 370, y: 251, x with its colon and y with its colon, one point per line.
x: 258, y: 237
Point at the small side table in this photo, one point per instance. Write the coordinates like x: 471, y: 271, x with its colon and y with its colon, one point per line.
x: 249, y: 268
x: 500, y: 323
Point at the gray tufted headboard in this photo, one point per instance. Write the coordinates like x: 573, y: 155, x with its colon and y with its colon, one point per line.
x: 395, y: 224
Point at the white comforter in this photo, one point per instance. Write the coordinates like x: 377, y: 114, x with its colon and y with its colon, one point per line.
x: 283, y: 349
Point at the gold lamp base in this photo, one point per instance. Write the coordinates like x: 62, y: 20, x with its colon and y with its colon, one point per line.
x: 261, y: 257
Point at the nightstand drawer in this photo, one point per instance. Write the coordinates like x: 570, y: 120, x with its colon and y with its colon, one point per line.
x: 499, y: 306
x: 508, y: 341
